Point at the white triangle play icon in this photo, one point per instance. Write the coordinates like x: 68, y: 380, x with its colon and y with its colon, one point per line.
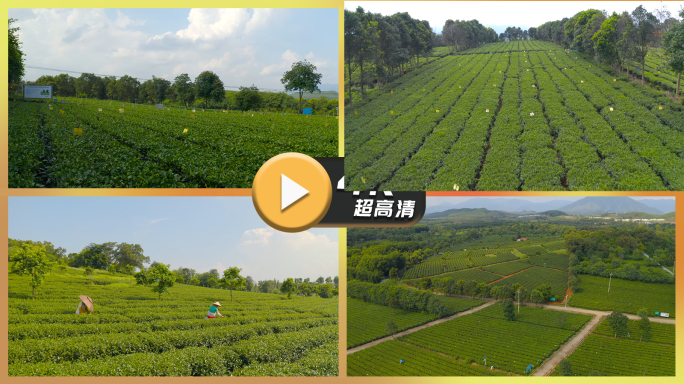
x: 290, y: 192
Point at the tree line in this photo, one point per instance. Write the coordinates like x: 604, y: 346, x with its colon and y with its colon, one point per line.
x: 206, y: 91
x: 621, y: 39
x: 624, y: 243
x: 36, y: 259
x: 460, y: 35
x: 382, y: 48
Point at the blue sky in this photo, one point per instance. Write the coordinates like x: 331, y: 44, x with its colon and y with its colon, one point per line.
x: 243, y: 46
x: 193, y: 232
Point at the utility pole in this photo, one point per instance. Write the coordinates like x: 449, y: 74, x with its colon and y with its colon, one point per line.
x: 609, y: 279
x: 566, y: 301
x: 518, y: 302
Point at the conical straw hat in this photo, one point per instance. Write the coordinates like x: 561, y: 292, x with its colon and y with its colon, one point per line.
x: 217, y: 304
x: 88, y: 302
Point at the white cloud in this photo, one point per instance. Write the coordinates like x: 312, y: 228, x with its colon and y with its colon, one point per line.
x: 257, y: 236
x: 219, y: 267
x: 280, y: 255
x: 155, y: 221
x: 223, y: 23
x: 242, y: 46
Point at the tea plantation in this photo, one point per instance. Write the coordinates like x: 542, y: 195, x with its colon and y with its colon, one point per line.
x: 138, y: 146
x: 522, y: 115
x: 133, y: 333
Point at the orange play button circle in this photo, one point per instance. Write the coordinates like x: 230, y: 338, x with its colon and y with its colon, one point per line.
x: 291, y: 192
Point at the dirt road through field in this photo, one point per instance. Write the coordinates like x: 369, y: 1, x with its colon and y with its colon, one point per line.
x: 663, y: 320
x: 418, y: 328
x: 568, y: 348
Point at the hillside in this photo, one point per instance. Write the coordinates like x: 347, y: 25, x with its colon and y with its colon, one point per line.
x: 612, y: 204
x: 518, y: 116
x: 471, y: 214
x: 132, y: 332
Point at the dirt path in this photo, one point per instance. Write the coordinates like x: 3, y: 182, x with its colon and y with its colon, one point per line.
x: 418, y: 328
x: 507, y: 276
x: 568, y: 348
x: 600, y: 313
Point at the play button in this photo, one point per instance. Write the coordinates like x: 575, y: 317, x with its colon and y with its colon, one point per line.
x: 291, y: 192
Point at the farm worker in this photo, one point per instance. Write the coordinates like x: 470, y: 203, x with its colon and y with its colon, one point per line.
x: 85, y: 306
x: 213, y: 311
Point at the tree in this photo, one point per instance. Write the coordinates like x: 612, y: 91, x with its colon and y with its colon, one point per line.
x: 393, y: 303
x: 142, y: 277
x: 248, y: 98
x: 536, y: 296
x: 643, y: 34
x: 565, y: 367
x: 130, y: 254
x: 644, y: 323
x: 546, y: 291
x: 30, y: 259
x: 352, y: 40
x: 573, y: 283
x: 249, y: 284
x: 184, y: 88
x: 232, y: 280
x: 324, y: 291
x: 508, y: 309
x: 673, y: 43
x: 393, y: 273
x: 194, y: 281
x: 208, y: 86
x: 15, y: 63
x: 288, y: 287
x: 390, y: 328
x: 606, y: 40
x: 320, y: 280
x: 164, y: 278
x: 617, y: 322
x: 302, y: 78
x: 89, y: 273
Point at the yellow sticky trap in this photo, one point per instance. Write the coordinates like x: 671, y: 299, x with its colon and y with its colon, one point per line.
x: 364, y: 180
x: 531, y: 113
x: 611, y: 109
x: 423, y: 89
x: 392, y: 112
x: 438, y: 111
x: 185, y: 130
x: 456, y: 187
x: 121, y: 110
x: 356, y: 113
x: 192, y: 115
x: 660, y: 107
x: 581, y: 81
x: 326, y: 124
x: 51, y: 108
x: 495, y: 85
x: 391, y: 91
x: 61, y: 111
x: 78, y: 131
x: 487, y: 110
x: 193, y: 111
x: 614, y: 79
x: 459, y: 86
x: 99, y: 109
